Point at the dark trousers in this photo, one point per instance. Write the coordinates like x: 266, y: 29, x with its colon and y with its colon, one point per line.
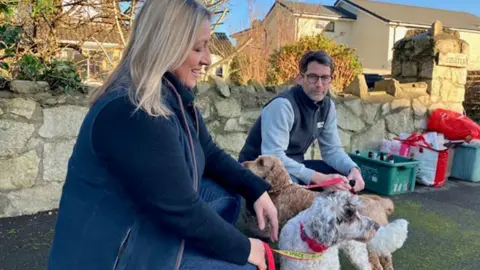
x: 319, y: 166
x: 227, y: 205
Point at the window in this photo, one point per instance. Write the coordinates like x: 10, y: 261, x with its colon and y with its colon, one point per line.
x: 93, y: 62
x: 330, y: 27
x: 320, y: 25
x: 112, y: 59
x: 219, y: 71
x: 326, y: 26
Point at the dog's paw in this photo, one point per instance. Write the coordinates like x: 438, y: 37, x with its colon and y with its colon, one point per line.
x: 390, y: 238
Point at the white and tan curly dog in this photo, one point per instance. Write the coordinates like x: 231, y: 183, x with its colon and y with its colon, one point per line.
x: 330, y: 221
x: 290, y: 199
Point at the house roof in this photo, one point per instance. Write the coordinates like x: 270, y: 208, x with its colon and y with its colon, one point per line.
x: 71, y: 31
x: 220, y: 45
x: 91, y: 32
x: 307, y: 9
x: 317, y: 9
x: 389, y: 12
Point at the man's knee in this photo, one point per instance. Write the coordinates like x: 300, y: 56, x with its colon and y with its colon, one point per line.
x: 320, y: 166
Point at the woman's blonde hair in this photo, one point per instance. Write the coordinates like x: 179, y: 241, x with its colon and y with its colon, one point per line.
x: 163, y: 34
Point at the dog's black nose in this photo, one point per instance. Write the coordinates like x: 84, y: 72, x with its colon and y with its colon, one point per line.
x: 352, y: 182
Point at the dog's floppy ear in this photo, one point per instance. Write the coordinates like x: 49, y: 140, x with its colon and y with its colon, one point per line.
x: 322, y: 224
x: 265, y: 161
x: 387, y: 204
x: 349, y: 214
x: 350, y: 209
x: 324, y: 230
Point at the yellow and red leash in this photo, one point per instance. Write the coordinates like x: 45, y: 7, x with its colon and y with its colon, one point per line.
x: 292, y: 254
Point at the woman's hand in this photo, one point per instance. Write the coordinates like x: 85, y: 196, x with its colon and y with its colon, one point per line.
x: 257, y: 253
x: 264, y: 206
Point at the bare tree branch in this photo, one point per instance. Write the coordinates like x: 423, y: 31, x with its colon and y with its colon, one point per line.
x: 120, y: 31
x: 104, y: 51
x: 229, y: 57
x: 132, y: 8
x: 220, y: 19
x: 211, y: 4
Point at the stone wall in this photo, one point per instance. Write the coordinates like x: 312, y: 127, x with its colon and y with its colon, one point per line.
x: 38, y: 131
x: 472, y: 95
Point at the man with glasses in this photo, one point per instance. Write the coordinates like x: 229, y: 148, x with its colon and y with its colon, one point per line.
x: 292, y: 120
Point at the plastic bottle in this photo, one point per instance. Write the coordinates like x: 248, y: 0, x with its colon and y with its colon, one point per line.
x: 370, y: 154
x: 391, y: 160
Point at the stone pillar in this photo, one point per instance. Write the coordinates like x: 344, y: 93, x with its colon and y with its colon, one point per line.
x: 438, y: 57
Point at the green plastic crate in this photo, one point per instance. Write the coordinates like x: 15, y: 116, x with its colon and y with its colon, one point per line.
x: 386, y: 178
x: 466, y: 163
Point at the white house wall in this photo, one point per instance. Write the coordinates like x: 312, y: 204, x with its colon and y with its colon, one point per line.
x: 225, y: 67
x: 280, y: 28
x: 342, y: 32
x: 370, y: 37
x: 473, y: 39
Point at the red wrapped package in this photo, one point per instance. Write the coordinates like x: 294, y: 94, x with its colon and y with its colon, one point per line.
x: 453, y: 125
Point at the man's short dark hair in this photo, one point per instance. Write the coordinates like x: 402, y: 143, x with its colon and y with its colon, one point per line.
x: 320, y: 57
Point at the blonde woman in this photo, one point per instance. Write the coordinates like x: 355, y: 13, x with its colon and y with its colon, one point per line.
x: 147, y: 188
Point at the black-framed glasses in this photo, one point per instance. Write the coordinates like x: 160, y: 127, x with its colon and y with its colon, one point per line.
x: 313, y: 78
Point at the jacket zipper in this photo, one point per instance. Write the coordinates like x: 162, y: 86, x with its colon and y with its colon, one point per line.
x: 315, y: 128
x: 312, y: 138
x: 122, y: 246
x: 195, y: 173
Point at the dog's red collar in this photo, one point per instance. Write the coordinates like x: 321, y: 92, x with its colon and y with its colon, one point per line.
x: 312, y: 244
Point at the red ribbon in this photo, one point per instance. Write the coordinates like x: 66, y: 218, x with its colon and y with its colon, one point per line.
x: 417, y: 140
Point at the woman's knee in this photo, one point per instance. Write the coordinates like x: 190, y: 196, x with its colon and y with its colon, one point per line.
x: 227, y: 204
x: 211, y: 191
x: 192, y: 259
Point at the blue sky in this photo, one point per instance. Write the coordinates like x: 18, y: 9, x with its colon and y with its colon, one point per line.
x: 238, y: 18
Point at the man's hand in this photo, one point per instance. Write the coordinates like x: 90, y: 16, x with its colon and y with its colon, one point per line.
x: 357, y: 176
x: 264, y: 206
x: 320, y: 177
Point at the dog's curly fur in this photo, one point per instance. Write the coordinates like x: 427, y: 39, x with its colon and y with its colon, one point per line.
x: 290, y: 199
x: 332, y: 219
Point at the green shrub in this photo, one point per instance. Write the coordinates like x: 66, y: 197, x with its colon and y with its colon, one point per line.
x: 284, y: 62
x: 30, y: 68
x: 62, y: 76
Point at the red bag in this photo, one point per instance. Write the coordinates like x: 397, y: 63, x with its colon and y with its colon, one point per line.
x: 453, y: 125
x: 433, y: 163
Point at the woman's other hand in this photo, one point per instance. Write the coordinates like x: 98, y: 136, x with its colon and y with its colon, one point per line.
x: 264, y: 206
x: 257, y: 253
